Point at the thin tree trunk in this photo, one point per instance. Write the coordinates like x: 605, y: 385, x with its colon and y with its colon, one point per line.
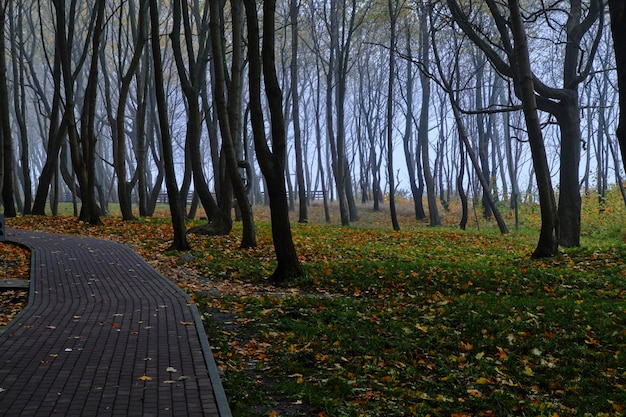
x: 295, y: 97
x: 393, y: 17
x: 433, y: 211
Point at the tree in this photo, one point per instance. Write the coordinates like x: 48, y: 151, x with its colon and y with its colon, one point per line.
x: 394, y: 10
x: 295, y: 97
x: 118, y: 121
x: 228, y: 113
x: 433, y: 212
x: 414, y: 167
x: 547, y: 245
x: 82, y: 138
x: 193, y: 81
x: 176, y: 209
x: 562, y: 102
x: 272, y: 162
x: 446, y: 85
x: 617, y: 9
x: 19, y: 98
x: 6, y: 142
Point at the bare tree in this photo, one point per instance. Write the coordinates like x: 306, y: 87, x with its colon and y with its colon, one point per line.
x: 548, y: 244
x: 295, y: 97
x: 433, y: 211
x: 394, y: 10
x: 617, y: 10
x: 16, y: 29
x: 229, y: 116
x: 446, y: 84
x: 562, y: 103
x: 6, y: 142
x: 271, y: 161
x: 180, y: 241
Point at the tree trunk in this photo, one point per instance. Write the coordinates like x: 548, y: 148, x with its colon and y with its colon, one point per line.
x: 433, y: 211
x: 569, y: 204
x: 19, y: 100
x: 55, y: 136
x: 548, y: 243
x: 193, y: 81
x: 270, y: 161
x: 90, y: 211
x: 393, y: 17
x: 411, y: 160
x: 176, y: 210
x: 229, y: 116
x: 119, y: 136
x: 6, y: 166
x: 483, y: 139
x: 295, y: 97
x: 617, y: 10
x: 461, y: 188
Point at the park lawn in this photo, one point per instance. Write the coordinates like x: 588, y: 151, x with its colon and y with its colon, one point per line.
x: 420, y: 322
x: 425, y: 321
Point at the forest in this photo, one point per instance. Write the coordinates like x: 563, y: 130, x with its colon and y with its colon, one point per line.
x: 287, y: 164
x: 231, y: 104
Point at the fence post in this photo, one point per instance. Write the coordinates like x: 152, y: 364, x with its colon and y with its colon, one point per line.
x: 2, y: 235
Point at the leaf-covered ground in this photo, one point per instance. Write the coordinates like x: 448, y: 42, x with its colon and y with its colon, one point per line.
x: 425, y: 321
x: 14, y: 264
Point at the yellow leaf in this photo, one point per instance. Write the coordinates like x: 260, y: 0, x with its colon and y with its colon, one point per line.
x: 145, y: 378
x: 528, y: 371
x: 480, y: 355
x: 502, y: 354
x: 465, y: 346
x: 474, y: 392
x: 482, y: 381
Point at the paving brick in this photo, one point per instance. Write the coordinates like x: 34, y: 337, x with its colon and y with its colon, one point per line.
x: 96, y: 325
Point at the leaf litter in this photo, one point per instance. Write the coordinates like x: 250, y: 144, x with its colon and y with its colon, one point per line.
x: 436, y: 322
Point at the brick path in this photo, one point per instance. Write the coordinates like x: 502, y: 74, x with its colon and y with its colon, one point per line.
x: 104, y: 335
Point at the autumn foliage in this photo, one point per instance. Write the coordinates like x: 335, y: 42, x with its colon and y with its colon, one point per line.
x: 425, y: 321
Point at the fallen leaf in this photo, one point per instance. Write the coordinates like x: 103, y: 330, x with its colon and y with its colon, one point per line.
x: 171, y: 369
x: 145, y: 378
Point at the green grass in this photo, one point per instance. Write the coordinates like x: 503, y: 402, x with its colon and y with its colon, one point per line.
x: 425, y: 321
x: 433, y: 322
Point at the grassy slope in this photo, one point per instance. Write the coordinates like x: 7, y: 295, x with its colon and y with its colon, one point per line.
x: 422, y: 321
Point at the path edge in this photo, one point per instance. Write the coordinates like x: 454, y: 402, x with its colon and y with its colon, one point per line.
x: 218, y: 388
